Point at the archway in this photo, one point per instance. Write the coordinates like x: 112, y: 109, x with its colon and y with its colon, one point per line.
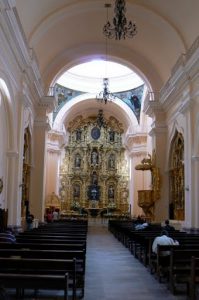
x: 176, y: 178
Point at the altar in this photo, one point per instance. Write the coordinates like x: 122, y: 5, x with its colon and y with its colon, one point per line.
x: 94, y: 211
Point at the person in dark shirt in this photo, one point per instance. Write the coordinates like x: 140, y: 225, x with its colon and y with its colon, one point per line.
x: 29, y: 220
x: 168, y: 227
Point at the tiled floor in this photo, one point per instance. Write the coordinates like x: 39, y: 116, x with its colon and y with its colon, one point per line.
x: 112, y: 273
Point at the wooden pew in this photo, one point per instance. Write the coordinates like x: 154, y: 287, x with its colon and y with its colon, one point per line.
x: 52, y: 267
x: 79, y: 255
x: 159, y: 262
x: 180, y: 266
x: 48, y: 241
x: 194, y: 277
x: 43, y: 246
x: 51, y: 236
x: 35, y: 282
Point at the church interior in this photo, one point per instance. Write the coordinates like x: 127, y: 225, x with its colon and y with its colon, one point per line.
x: 54, y: 119
x: 99, y: 111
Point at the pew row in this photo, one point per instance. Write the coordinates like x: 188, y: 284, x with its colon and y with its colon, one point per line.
x: 51, y: 267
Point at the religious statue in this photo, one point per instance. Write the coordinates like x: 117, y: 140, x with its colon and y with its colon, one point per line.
x: 94, y: 179
x: 111, y: 192
x: 111, y: 162
x: 94, y: 157
x: 76, y: 191
x: 111, y: 136
x: 78, y: 134
x: 94, y: 193
x: 77, y: 161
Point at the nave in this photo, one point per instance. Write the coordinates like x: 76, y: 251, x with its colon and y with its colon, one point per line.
x: 112, y: 272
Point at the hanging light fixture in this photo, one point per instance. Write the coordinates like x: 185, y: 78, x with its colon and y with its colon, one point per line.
x: 105, y: 95
x: 120, y: 28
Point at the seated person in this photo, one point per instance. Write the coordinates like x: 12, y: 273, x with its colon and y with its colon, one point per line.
x: 168, y: 227
x: 55, y: 215
x: 141, y: 226
x: 7, y: 236
x: 163, y: 239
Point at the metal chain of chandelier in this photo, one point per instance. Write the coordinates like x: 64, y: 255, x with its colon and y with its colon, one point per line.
x: 120, y: 28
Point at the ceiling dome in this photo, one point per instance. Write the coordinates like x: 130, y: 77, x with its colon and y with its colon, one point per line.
x: 88, y: 77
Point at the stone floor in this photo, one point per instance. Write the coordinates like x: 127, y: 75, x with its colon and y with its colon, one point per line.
x: 112, y: 273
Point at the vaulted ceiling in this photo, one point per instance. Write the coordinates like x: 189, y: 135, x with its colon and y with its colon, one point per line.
x: 66, y: 32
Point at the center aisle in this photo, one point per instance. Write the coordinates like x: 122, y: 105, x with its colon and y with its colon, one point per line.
x: 112, y: 273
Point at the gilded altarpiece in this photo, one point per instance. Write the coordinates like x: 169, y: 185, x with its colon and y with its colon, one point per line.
x: 26, y: 173
x: 176, y: 178
x: 94, y: 172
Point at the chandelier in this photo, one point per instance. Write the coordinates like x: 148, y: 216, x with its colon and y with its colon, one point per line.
x: 120, y: 28
x: 105, y: 95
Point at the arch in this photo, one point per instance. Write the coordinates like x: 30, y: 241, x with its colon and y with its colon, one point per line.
x: 175, y: 128
x: 7, y: 97
x: 120, y: 108
x: 6, y: 140
x: 176, y: 178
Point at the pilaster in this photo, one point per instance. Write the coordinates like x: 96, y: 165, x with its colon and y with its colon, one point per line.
x: 38, y: 175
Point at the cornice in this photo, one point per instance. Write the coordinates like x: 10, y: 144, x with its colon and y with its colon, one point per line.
x: 183, y: 74
x: 139, y: 138
x: 158, y: 130
x: 56, y: 138
x: 49, y: 102
x: 152, y: 106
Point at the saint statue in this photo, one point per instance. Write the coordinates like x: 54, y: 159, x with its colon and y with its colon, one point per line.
x: 111, y: 162
x: 111, y: 136
x: 111, y: 192
x: 77, y: 161
x: 78, y: 135
x: 94, y: 157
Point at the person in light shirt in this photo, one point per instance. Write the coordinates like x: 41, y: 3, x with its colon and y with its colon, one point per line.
x: 163, y: 239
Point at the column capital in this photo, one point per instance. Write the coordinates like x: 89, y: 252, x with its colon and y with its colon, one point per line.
x: 56, y: 141
x: 48, y: 103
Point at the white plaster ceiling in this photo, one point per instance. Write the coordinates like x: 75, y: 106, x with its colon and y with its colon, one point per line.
x: 64, y: 33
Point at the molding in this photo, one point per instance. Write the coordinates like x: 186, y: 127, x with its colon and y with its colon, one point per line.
x: 49, y: 102
x: 195, y: 158
x: 12, y: 153
x: 42, y: 123
x: 134, y: 141
x: 182, y: 75
x: 53, y: 150
x: 158, y: 130
x: 18, y: 46
x: 55, y: 136
x: 137, y: 153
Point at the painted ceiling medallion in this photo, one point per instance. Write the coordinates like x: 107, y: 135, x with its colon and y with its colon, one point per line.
x: 95, y: 133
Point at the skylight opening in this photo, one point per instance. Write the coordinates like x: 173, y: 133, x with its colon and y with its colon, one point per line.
x: 100, y: 69
x: 88, y: 77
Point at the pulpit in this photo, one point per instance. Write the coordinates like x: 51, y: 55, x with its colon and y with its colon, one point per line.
x: 147, y: 198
